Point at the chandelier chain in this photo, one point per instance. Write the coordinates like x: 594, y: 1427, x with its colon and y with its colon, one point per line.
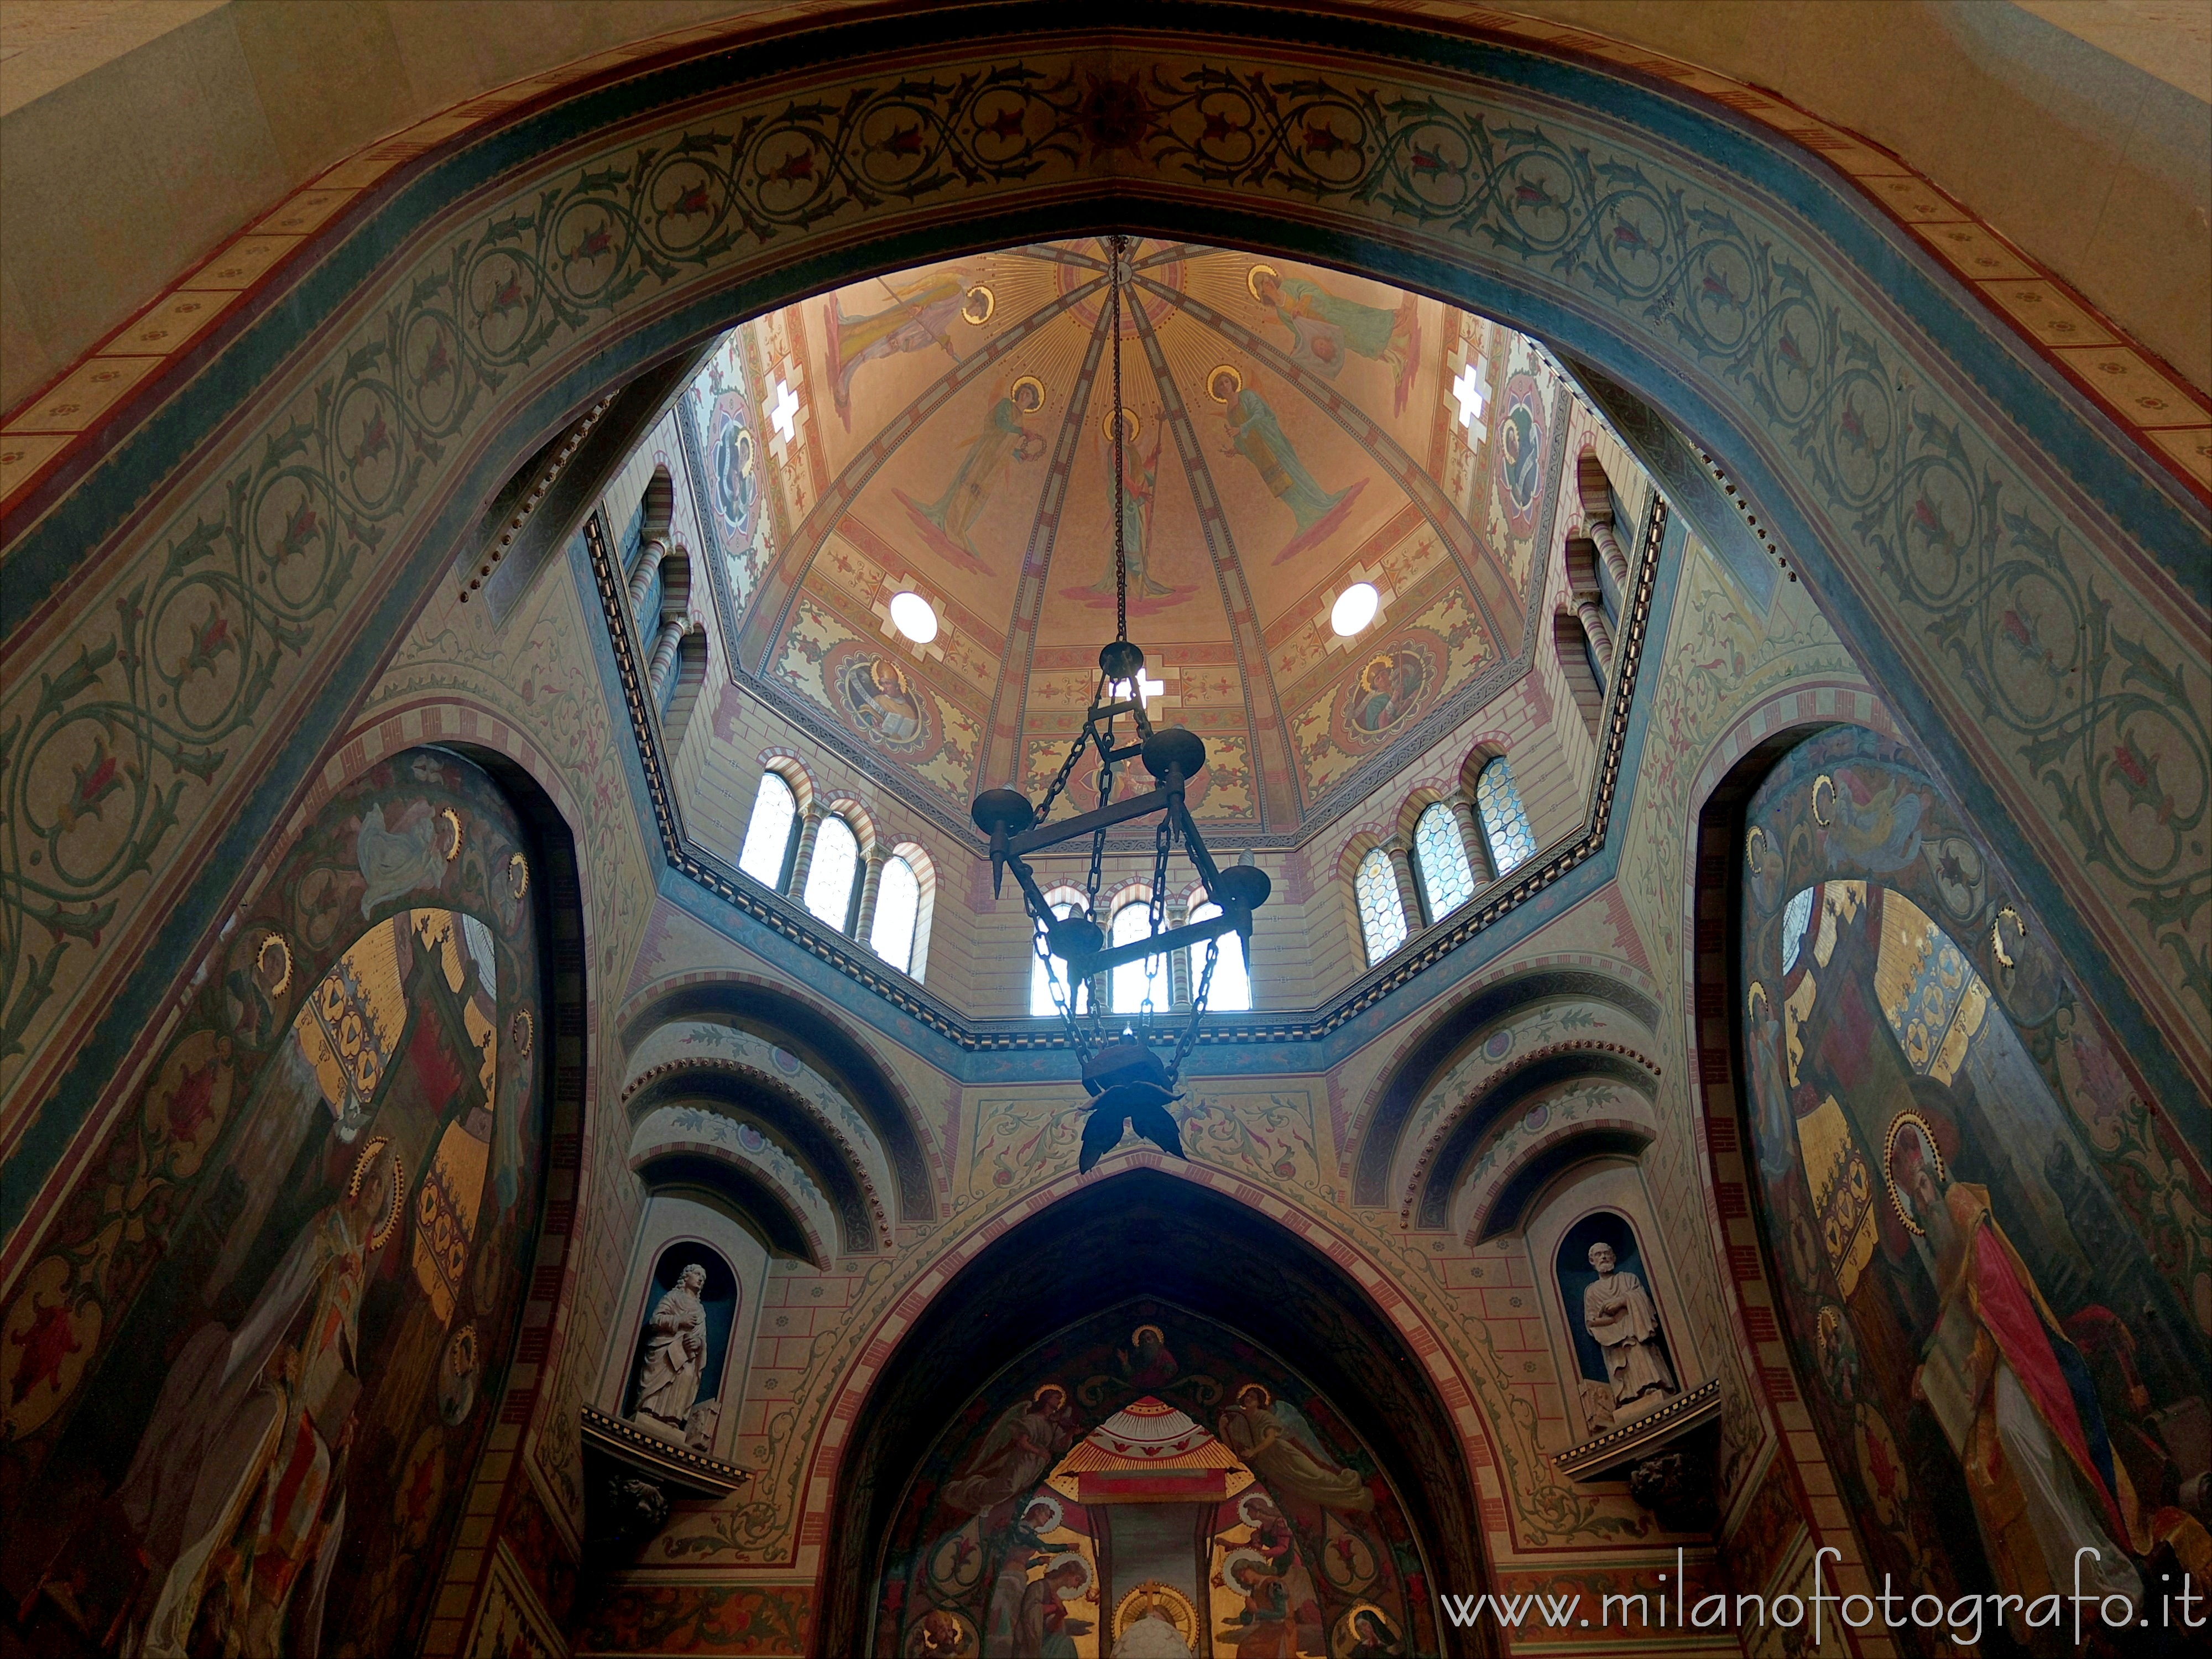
x: 1199, y: 995
x: 1067, y: 766
x: 1120, y: 425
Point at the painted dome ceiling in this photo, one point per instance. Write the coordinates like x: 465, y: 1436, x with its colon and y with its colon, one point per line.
x: 946, y: 431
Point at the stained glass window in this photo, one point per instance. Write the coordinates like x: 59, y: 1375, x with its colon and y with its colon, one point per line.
x: 768, y: 837
x: 1504, y: 820
x: 1231, y: 991
x: 829, y: 878
x: 1446, y: 878
x: 1382, y: 916
x: 898, y: 905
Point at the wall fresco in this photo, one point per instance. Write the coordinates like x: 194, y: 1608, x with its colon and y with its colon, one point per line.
x: 1148, y: 1468
x: 1996, y: 1274
x: 313, y: 1217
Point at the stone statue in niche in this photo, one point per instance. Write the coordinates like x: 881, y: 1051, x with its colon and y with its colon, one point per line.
x: 675, y: 1356
x: 1618, y: 1314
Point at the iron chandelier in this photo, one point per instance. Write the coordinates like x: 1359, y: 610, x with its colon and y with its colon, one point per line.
x: 1128, y: 1082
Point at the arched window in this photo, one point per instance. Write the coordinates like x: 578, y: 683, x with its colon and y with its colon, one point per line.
x: 832, y: 881
x: 1132, y: 922
x: 1382, y: 916
x: 1232, y: 980
x: 898, y: 906
x: 1440, y: 855
x: 1041, y: 1000
x: 771, y: 835
x: 684, y: 687
x: 1504, y: 820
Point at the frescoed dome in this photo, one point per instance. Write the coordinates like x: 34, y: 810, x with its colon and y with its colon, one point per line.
x: 1286, y: 433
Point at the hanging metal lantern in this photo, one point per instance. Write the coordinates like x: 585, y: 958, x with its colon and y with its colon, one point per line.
x: 1129, y: 1083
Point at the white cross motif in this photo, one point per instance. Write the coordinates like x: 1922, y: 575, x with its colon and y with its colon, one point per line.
x: 1150, y: 687
x: 787, y: 407
x: 1471, y: 390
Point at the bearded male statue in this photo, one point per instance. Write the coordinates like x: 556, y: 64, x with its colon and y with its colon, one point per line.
x: 1618, y: 1314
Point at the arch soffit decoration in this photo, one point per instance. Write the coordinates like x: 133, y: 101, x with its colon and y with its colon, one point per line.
x: 771, y: 1028
x: 692, y: 1146
x: 868, y: 1394
x: 1930, y: 468
x: 1427, y: 1057
x: 1545, y: 1025
x: 827, y: 1138
x: 1499, y: 1200
x: 1483, y: 1114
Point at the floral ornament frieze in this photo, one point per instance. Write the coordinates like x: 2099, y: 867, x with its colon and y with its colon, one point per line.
x: 129, y: 741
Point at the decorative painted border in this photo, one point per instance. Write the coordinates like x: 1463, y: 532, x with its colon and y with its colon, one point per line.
x: 45, y: 439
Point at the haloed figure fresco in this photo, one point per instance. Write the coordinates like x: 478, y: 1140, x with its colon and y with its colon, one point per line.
x: 284, y: 1402
x: 1956, y: 1185
x: 1142, y: 1494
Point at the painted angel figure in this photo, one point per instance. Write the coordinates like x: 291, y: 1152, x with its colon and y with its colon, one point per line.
x: 1273, y: 1438
x: 914, y: 322
x: 1324, y: 326
x: 1025, y: 1442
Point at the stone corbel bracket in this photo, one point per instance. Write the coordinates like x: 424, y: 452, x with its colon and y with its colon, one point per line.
x: 664, y: 1462
x: 1603, y: 1455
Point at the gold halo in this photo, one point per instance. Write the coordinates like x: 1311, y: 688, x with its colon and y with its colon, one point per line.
x: 1089, y: 1572
x: 517, y: 876
x: 990, y: 305
x: 1132, y: 424
x: 1138, y: 1335
x: 1753, y: 997
x: 1751, y: 840
x: 1252, y: 280
x: 285, y: 953
x: 1035, y: 386
x: 1138, y: 1603
x: 1889, y: 1152
x: 1817, y: 782
x: 379, y: 1234
x: 523, y: 1030
x: 453, y: 818
x: 1996, y: 935
x: 745, y: 447
x: 1358, y: 1607
x: 1213, y: 379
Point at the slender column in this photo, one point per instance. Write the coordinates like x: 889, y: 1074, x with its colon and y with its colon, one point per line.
x: 662, y: 668
x: 1593, y: 615
x: 1409, y: 890
x: 1601, y: 531
x: 809, y: 828
x: 1180, y: 983
x: 871, y: 880
x: 1478, y: 844
x: 649, y: 566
